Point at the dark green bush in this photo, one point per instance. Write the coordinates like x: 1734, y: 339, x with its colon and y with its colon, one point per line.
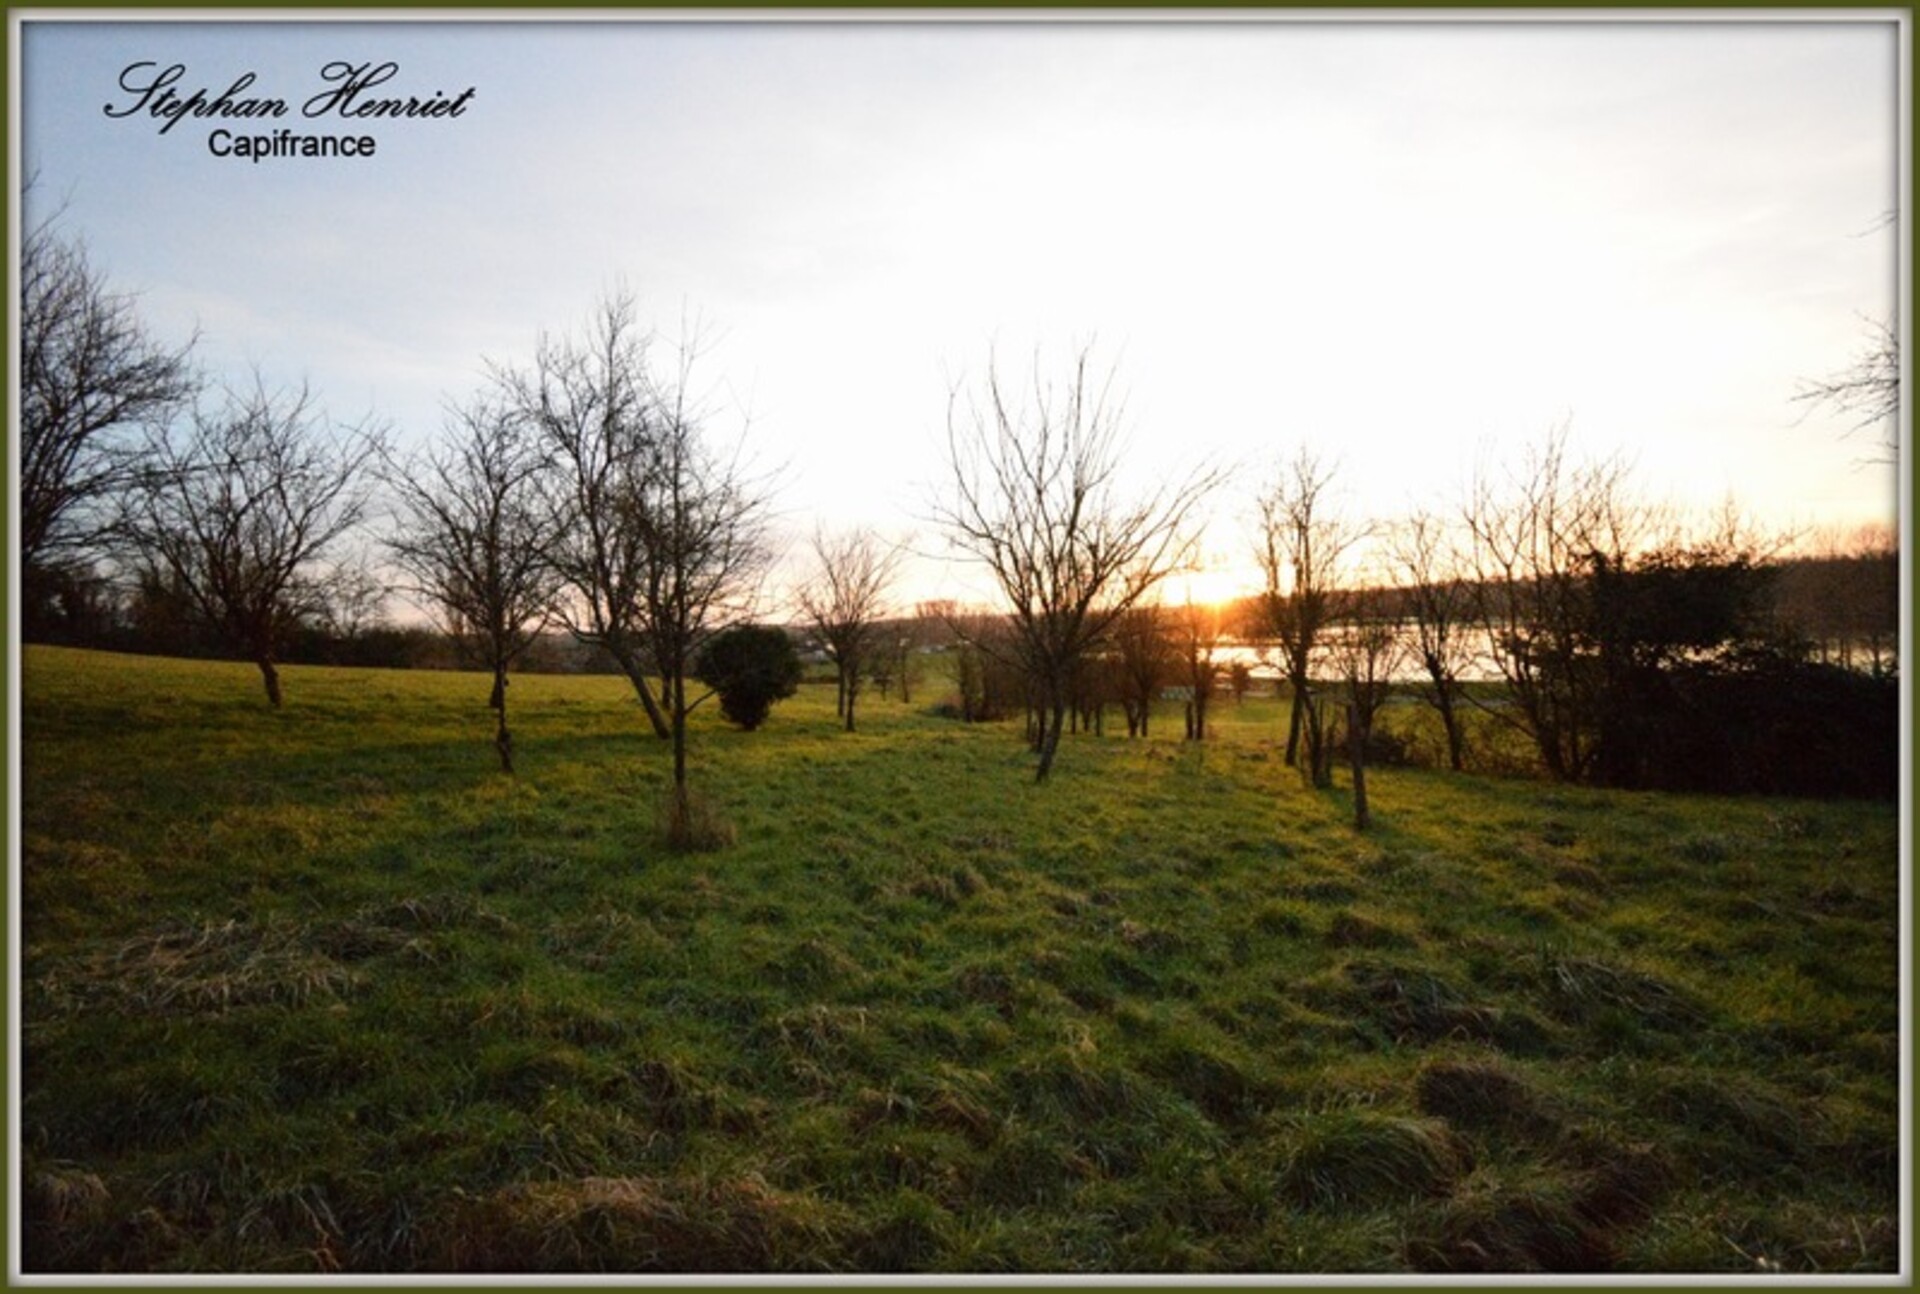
x: 751, y: 667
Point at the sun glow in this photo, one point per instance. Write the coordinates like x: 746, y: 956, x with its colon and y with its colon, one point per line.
x: 1211, y: 585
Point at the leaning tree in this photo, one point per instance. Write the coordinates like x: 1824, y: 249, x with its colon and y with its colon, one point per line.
x: 243, y: 505
x: 1036, y: 499
x: 596, y: 408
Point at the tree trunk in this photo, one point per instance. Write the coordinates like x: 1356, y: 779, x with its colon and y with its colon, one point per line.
x: 1357, y: 755
x: 1296, y: 719
x: 1456, y: 745
x: 1319, y: 745
x: 270, y: 676
x: 630, y: 665
x: 1050, y: 737
x: 677, y: 694
x: 502, y: 739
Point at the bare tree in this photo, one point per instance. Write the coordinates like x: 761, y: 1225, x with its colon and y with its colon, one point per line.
x: 1035, y: 499
x: 352, y: 598
x: 91, y: 380
x: 1442, y: 604
x: 1197, y: 633
x: 597, y: 411
x: 897, y: 654
x: 1534, y: 546
x: 1300, y: 545
x: 474, y: 534
x: 241, y: 509
x: 844, y: 602
x: 700, y: 525
x: 1140, y: 639
x: 1367, y: 650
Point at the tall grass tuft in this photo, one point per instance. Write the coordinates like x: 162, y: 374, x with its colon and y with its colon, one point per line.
x: 687, y: 821
x: 1357, y: 1158
x: 642, y: 1225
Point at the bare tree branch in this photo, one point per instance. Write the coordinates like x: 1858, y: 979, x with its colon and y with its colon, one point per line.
x: 1868, y: 391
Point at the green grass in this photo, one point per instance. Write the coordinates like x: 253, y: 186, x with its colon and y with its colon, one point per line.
x: 321, y: 990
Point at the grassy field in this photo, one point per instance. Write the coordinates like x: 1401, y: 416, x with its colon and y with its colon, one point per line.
x: 321, y: 990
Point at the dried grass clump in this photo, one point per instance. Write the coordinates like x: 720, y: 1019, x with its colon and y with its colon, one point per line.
x: 1581, y: 989
x: 1749, y: 1119
x: 1073, y: 1085
x: 1481, y: 1093
x: 1367, y: 1159
x: 686, y: 821
x: 811, y: 965
x: 821, y: 1030
x: 1415, y: 1005
x: 1352, y: 930
x: 632, y: 1224
x: 1488, y: 1227
x: 65, y: 1216
x: 961, y: 1105
x: 62, y: 1195
x: 209, y: 966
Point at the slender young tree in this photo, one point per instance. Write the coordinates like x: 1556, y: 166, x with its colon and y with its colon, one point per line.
x: 1300, y: 544
x: 701, y: 525
x: 1366, y: 651
x: 1036, y: 500
x: 1141, y: 640
x: 1197, y: 632
x: 1441, y: 601
x: 242, y: 507
x: 844, y: 603
x: 474, y: 535
x: 596, y: 408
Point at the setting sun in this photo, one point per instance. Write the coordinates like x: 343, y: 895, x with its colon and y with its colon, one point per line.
x: 1213, y: 584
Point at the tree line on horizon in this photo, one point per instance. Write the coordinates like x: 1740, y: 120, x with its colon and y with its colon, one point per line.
x: 581, y: 491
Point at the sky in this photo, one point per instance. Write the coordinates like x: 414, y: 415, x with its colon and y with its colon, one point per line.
x: 1412, y: 246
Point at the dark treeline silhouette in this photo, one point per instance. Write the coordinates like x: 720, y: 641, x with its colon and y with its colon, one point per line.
x: 1842, y: 609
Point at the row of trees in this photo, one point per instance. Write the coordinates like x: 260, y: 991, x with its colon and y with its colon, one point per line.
x: 582, y: 490
x: 1628, y: 648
